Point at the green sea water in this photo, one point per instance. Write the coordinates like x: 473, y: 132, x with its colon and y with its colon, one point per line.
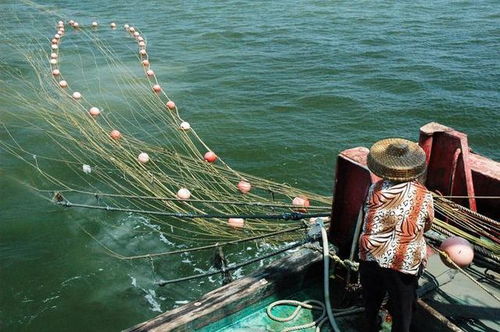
x: 278, y: 88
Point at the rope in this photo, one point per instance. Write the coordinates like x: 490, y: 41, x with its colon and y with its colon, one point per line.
x: 230, y: 268
x: 119, y: 256
x: 162, y: 198
x: 283, y: 216
x: 300, y: 305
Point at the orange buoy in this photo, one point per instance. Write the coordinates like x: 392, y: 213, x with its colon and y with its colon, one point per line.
x: 170, y: 105
x: 145, y: 63
x: 143, y: 157
x: 77, y: 95
x: 150, y: 73
x: 115, y: 134
x: 301, y: 202
x: 185, y: 125
x: 459, y: 250
x: 63, y: 84
x: 236, y: 222
x: 156, y: 88
x: 56, y: 72
x: 244, y: 187
x: 94, y: 112
x: 210, y: 157
x: 183, y: 193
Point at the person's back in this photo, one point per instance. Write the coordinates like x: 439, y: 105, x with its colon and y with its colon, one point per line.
x: 396, y: 216
x: 392, y: 250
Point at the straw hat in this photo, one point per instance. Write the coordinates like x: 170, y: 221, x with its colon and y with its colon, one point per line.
x: 396, y: 159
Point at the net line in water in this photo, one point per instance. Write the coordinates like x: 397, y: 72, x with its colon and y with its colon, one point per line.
x: 145, y: 157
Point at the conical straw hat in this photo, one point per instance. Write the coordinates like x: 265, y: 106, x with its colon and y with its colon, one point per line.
x: 396, y: 159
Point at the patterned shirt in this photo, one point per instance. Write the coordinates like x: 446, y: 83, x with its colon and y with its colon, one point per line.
x: 393, y: 229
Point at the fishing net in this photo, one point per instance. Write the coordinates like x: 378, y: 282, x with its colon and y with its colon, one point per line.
x: 135, y: 153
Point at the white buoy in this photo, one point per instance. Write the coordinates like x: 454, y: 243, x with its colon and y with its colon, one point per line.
x: 143, y: 158
x: 95, y: 24
x: 63, y: 84
x: 112, y: 25
x: 54, y: 46
x: 86, y: 169
x: 94, y: 112
x: 185, y: 125
x: 183, y: 193
x: 77, y: 95
x: 53, y: 61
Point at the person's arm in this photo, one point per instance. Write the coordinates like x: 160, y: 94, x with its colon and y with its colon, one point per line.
x: 430, y: 213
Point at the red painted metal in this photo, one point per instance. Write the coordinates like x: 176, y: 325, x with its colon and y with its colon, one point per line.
x: 448, y: 169
x: 352, y: 181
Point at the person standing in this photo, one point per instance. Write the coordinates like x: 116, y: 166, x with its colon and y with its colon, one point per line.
x: 392, y: 249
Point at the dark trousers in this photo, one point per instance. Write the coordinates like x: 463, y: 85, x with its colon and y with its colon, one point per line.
x: 376, y: 281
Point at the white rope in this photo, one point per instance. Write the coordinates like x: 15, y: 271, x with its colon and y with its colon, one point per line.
x: 324, y: 307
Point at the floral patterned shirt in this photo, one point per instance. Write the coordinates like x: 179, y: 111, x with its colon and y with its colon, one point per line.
x: 396, y: 215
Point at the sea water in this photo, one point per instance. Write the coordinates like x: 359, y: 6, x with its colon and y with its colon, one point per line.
x: 278, y: 88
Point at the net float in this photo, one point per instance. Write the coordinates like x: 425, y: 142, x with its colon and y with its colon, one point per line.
x: 459, y: 251
x: 56, y: 72
x: 301, y: 202
x: 142, y: 44
x: 136, y: 34
x: 77, y: 95
x: 115, y: 134
x: 57, y: 36
x: 112, y: 25
x: 185, y: 125
x: 170, y: 105
x: 210, y: 157
x: 150, y: 72
x: 236, y: 222
x: 54, y: 41
x: 63, y: 84
x: 244, y: 186
x: 94, y: 112
x: 131, y: 29
x: 94, y: 24
x: 53, y: 55
x: 143, y: 157
x: 156, y: 88
x: 143, y: 52
x: 53, y: 61
x: 54, y: 46
x: 183, y: 193
x: 145, y: 63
